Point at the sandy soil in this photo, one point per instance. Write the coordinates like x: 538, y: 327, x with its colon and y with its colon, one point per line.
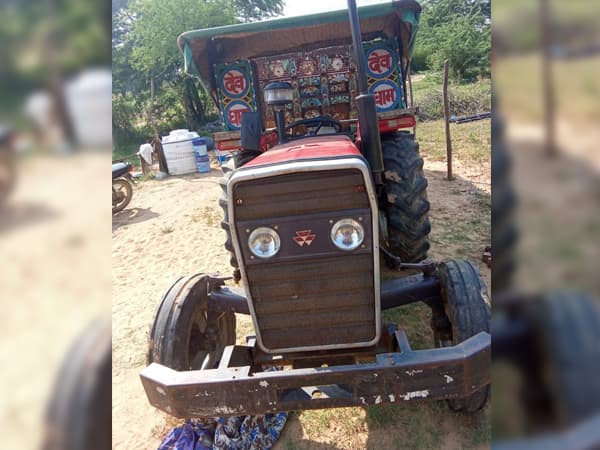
x: 171, y: 228
x: 54, y: 279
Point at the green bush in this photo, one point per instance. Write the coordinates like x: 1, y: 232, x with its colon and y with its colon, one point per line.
x: 463, y: 100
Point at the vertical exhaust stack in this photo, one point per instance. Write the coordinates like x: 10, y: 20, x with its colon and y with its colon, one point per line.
x: 365, y: 102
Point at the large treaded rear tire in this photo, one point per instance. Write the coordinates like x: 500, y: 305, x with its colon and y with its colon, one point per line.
x: 504, y: 201
x: 406, y: 190
x: 466, y: 304
x: 227, y: 171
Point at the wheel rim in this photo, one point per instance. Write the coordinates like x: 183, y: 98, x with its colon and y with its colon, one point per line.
x: 120, y: 192
x: 199, y: 356
x: 7, y: 176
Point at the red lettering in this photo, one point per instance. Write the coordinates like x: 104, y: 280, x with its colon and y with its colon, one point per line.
x: 385, y: 61
x: 384, y: 96
x: 373, y: 62
x: 234, y: 83
x: 235, y: 116
x: 379, y: 63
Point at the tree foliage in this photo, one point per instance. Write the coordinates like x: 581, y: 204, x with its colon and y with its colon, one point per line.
x: 457, y: 30
x: 147, y: 63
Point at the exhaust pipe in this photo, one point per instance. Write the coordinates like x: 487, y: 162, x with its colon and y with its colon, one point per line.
x: 365, y: 102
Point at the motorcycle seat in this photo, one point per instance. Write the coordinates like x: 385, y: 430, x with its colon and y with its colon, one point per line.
x: 120, y: 169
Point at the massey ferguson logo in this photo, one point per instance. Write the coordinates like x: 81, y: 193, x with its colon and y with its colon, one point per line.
x: 304, y: 237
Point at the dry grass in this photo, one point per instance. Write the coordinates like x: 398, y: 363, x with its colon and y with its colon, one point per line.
x: 519, y: 88
x: 470, y: 141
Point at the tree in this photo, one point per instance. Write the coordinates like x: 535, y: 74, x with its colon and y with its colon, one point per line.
x: 457, y: 30
x: 148, y: 62
x: 251, y: 10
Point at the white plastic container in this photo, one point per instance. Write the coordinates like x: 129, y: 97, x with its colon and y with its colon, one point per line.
x: 89, y: 104
x: 179, y: 151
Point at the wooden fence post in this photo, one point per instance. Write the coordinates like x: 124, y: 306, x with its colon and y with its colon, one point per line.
x: 447, y: 123
x: 547, y: 79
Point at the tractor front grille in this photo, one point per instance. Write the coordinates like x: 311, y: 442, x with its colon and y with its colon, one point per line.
x: 315, y: 302
x: 313, y: 296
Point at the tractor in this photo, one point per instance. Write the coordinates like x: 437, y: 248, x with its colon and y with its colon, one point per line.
x: 326, y: 187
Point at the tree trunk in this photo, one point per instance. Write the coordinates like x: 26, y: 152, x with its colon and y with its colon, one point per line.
x: 194, y: 109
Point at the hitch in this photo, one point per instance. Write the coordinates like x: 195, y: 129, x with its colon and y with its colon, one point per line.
x: 428, y: 267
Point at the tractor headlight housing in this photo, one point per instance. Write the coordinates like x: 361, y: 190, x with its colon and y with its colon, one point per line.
x: 347, y: 234
x: 264, y: 242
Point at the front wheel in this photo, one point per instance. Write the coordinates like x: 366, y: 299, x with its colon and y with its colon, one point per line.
x: 407, y: 205
x: 181, y: 337
x: 466, y: 305
x: 122, y: 191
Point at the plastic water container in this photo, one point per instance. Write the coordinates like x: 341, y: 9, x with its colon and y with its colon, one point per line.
x: 201, y: 155
x: 89, y: 104
x: 179, y: 152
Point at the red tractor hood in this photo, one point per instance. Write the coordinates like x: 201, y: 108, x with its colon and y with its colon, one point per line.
x: 319, y: 147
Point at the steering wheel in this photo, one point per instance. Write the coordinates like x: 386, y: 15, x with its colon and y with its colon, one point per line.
x: 318, y: 122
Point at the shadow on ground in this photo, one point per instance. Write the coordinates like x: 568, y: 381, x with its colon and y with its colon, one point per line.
x: 13, y: 216
x: 131, y: 216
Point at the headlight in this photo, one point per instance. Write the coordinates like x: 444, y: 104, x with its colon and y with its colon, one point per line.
x: 347, y: 234
x: 264, y: 242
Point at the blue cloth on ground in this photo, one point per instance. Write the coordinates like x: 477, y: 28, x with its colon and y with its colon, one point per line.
x: 231, y: 433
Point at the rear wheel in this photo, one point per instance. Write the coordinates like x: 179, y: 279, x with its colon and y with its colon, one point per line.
x: 467, y: 309
x: 407, y: 205
x: 180, y: 337
x: 227, y: 171
x: 504, y: 201
x: 122, y: 191
x: 7, y: 174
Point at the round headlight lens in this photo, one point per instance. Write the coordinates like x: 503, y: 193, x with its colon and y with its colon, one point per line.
x: 347, y: 234
x: 264, y: 242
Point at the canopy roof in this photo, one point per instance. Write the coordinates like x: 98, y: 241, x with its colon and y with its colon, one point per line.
x: 203, y: 48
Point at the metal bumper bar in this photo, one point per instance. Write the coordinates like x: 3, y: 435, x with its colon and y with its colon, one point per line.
x: 406, y: 375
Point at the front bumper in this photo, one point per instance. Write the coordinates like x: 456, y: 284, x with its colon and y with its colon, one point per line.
x: 234, y: 389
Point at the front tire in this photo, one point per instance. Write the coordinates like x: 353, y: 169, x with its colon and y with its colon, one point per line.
x: 466, y: 304
x: 407, y: 205
x: 179, y: 337
x: 78, y: 415
x: 566, y: 332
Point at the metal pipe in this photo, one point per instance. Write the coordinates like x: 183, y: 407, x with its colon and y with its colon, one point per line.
x: 280, y: 120
x: 403, y: 291
x: 365, y: 102
x: 228, y: 299
x: 357, y: 44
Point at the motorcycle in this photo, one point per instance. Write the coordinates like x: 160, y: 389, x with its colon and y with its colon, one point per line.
x: 122, y: 189
x: 8, y: 172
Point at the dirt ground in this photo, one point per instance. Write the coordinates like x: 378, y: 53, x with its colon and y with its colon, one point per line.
x: 171, y: 228
x: 54, y: 279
